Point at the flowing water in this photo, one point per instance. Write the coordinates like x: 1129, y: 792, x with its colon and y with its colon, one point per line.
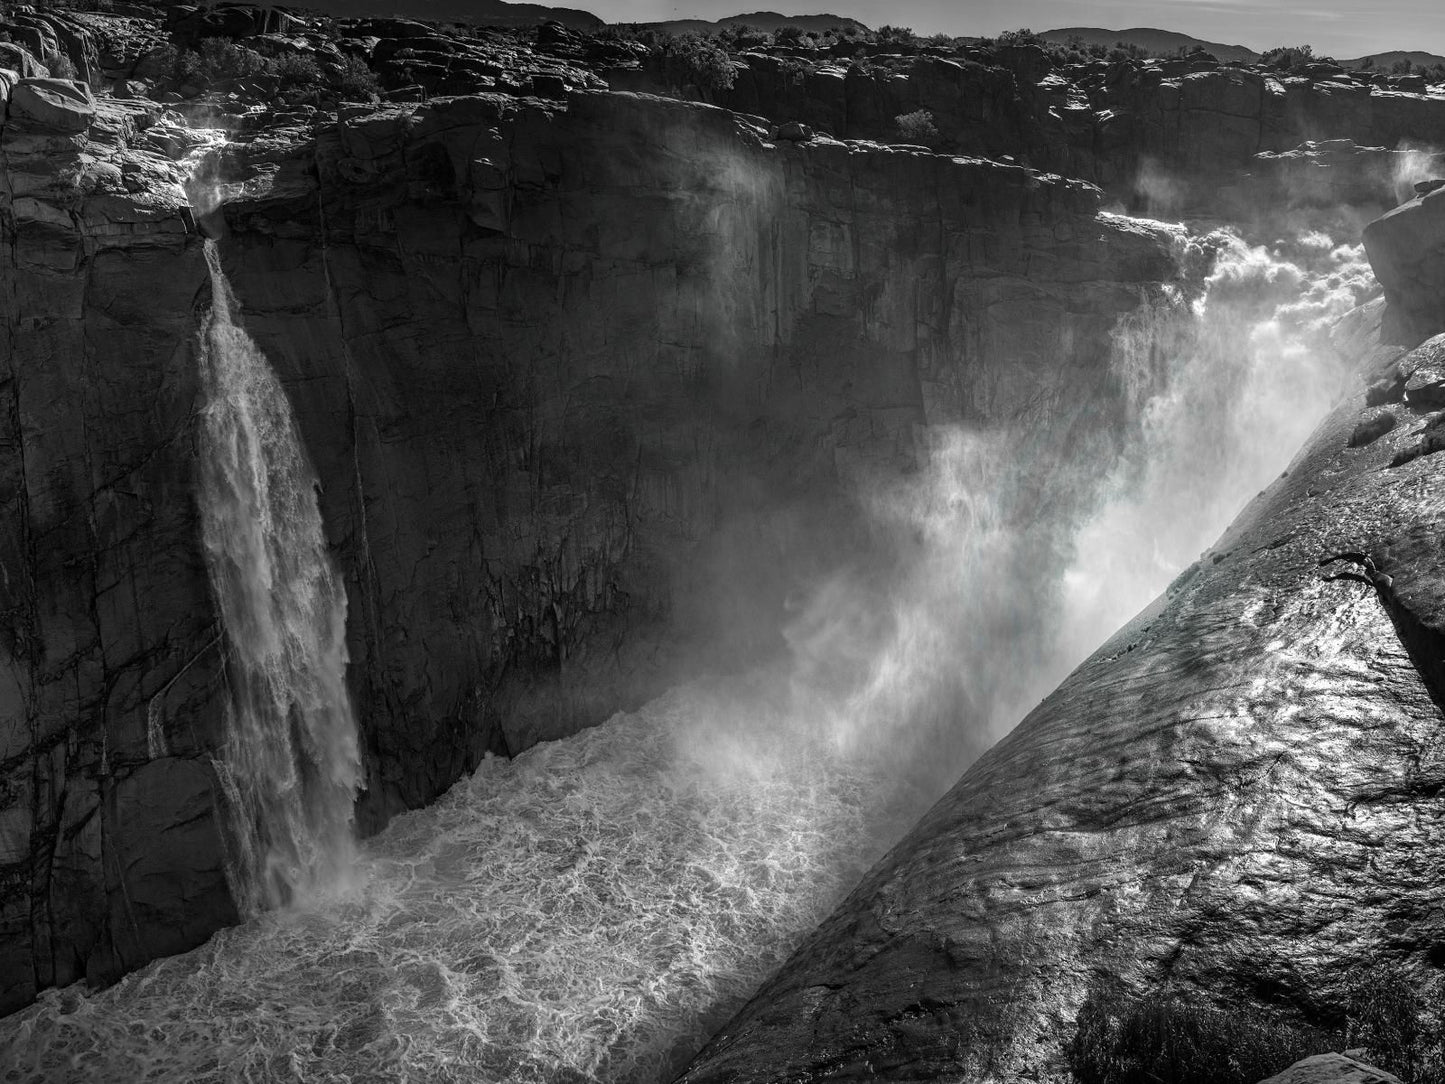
x: 591, y: 910
x: 291, y: 766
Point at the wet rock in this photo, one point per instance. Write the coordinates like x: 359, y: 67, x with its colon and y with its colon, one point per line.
x: 1372, y: 427
x: 1430, y: 439
x: 1389, y: 388
x: 1423, y: 370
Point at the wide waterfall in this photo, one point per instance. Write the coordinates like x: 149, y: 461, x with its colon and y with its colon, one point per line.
x: 291, y: 765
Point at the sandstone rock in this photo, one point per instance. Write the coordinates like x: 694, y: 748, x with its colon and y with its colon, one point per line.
x: 1407, y: 250
x: 57, y: 105
x: 1332, y: 1069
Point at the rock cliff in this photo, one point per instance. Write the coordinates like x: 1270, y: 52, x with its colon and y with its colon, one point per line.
x: 552, y: 360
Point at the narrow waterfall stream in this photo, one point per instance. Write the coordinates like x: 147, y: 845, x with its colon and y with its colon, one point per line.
x: 594, y: 908
x: 291, y: 765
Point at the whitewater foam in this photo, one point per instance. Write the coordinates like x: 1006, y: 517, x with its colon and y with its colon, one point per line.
x: 291, y: 763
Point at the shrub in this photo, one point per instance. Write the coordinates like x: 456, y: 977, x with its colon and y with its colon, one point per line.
x: 1127, y: 50
x: 788, y: 35
x: 894, y: 35
x: 353, y: 79
x: 217, y: 59
x: 1286, y: 57
x: 60, y: 66
x: 917, y: 127
x: 695, y: 60
x: 741, y: 36
x: 1161, y: 1037
x: 1401, y: 1031
x: 296, y: 70
x: 1022, y: 36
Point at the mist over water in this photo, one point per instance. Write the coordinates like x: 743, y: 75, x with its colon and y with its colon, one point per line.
x: 1230, y: 373
x: 593, y: 909
x: 291, y: 765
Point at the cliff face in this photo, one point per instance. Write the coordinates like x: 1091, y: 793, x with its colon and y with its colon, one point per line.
x: 553, y: 363
x: 1234, y: 799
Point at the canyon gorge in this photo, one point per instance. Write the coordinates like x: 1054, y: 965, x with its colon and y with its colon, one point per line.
x: 635, y: 500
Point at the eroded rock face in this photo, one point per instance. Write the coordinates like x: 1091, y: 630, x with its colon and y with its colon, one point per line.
x: 1407, y: 251
x: 718, y: 333
x: 553, y: 365
x: 1235, y: 798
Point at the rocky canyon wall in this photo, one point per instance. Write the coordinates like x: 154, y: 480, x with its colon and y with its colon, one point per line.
x: 589, y: 386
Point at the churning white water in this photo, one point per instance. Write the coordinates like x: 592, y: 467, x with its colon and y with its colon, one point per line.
x: 1230, y: 372
x: 574, y: 914
x: 291, y: 765
x: 591, y: 910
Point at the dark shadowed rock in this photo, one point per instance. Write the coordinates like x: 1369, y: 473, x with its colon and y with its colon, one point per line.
x: 1407, y: 250
x: 1374, y: 425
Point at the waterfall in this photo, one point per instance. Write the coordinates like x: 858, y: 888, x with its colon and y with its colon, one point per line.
x: 291, y: 764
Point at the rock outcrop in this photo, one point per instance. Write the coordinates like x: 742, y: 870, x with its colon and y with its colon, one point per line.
x: 1407, y: 251
x: 1234, y: 798
x: 548, y: 360
x: 1332, y: 1069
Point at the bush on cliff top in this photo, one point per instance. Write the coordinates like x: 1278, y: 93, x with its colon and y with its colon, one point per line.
x: 691, y: 60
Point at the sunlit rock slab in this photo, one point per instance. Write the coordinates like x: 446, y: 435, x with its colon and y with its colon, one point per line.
x: 1235, y: 797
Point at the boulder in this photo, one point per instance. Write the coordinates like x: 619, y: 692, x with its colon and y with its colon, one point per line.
x: 55, y: 105
x: 1332, y: 1069
x: 1407, y: 250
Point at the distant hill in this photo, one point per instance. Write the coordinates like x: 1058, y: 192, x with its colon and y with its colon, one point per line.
x: 764, y: 20
x: 475, y: 12
x: 1156, y: 42
x: 1385, y: 61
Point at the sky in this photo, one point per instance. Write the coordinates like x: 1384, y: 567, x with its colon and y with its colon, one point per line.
x: 1341, y: 28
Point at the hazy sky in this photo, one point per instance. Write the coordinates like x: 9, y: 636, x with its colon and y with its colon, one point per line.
x: 1343, y: 28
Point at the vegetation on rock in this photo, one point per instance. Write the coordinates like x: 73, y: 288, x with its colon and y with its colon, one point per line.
x: 1167, y: 1035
